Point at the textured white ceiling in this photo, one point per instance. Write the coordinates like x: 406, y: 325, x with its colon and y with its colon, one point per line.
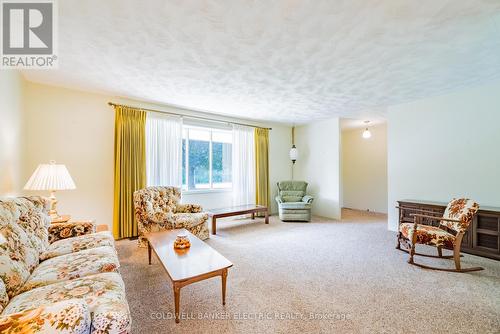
x: 282, y: 60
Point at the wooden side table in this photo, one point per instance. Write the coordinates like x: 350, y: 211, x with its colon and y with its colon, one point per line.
x: 67, y: 218
x: 61, y: 219
x: 102, y: 227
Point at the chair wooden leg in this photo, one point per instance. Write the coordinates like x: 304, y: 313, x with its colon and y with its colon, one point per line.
x: 428, y: 255
x: 440, y: 251
x: 398, y: 243
x: 456, y: 258
x: 456, y: 251
x: 412, y: 253
x: 413, y: 240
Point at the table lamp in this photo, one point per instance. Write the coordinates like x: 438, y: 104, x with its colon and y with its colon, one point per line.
x: 51, y: 177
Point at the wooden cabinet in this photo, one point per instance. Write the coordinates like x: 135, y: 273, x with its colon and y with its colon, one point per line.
x: 482, y: 237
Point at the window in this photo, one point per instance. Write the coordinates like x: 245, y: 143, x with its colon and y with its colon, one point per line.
x: 206, y: 158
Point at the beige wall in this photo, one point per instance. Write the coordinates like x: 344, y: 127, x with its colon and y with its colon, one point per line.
x: 445, y: 147
x: 319, y: 164
x: 280, y: 166
x: 11, y: 135
x: 77, y: 129
x: 364, y: 169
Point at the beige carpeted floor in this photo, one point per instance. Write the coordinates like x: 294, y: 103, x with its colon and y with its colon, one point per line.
x: 345, y: 274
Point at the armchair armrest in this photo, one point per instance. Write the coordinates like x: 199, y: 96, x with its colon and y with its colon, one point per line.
x: 58, y: 231
x: 188, y: 208
x: 435, y: 218
x: 307, y: 199
x: 279, y: 199
x: 163, y: 219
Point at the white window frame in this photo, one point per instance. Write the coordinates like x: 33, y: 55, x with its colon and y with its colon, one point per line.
x: 211, y: 189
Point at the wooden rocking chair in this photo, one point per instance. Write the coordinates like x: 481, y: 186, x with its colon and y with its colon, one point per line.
x: 452, y: 227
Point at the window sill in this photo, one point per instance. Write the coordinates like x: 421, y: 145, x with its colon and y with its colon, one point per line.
x: 205, y: 191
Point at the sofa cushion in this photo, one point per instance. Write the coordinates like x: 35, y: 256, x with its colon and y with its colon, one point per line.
x: 75, y: 265
x: 76, y: 244
x: 13, y: 273
x: 35, y: 221
x: 66, y: 317
x: 295, y: 205
x: 292, y: 196
x: 23, y: 235
x: 15, y: 243
x: 29, y: 213
x: 17, y: 258
x: 4, y: 297
x: 103, y: 293
x: 292, y: 191
x: 295, y: 211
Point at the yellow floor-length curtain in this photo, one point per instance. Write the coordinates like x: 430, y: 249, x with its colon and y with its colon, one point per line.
x: 130, y: 167
x: 262, y: 166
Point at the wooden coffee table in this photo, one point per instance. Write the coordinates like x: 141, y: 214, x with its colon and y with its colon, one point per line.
x: 237, y: 211
x: 183, y: 267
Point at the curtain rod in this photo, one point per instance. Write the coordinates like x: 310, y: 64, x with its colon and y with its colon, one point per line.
x: 188, y: 116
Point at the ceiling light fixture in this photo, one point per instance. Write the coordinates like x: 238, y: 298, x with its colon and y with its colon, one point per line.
x: 367, y: 134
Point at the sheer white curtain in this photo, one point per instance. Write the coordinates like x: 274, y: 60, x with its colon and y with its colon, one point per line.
x: 243, y: 169
x: 163, y: 150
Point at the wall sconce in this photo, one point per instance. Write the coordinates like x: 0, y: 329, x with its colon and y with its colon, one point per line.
x: 367, y: 134
x: 294, y: 153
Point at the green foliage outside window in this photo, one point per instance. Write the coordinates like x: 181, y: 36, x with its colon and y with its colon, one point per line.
x: 198, y: 162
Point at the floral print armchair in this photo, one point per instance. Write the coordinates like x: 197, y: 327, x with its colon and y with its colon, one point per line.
x: 158, y: 209
x: 447, y: 235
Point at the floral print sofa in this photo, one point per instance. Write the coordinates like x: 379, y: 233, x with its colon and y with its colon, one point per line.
x: 159, y: 208
x: 57, y: 278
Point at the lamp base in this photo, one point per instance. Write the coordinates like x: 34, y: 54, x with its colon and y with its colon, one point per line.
x: 54, y: 216
x: 53, y: 204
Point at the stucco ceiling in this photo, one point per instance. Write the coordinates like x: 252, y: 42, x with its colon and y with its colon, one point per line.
x: 284, y: 60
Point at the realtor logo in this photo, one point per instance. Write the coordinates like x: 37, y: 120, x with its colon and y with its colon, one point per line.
x: 28, y: 34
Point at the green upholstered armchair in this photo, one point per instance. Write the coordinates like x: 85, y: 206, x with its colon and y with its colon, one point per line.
x: 293, y: 203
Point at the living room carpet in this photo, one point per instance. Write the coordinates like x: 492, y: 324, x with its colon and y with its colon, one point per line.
x: 322, y: 277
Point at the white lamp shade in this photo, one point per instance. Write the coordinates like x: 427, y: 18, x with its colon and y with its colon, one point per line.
x: 294, y: 153
x: 50, y: 177
x: 367, y: 134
